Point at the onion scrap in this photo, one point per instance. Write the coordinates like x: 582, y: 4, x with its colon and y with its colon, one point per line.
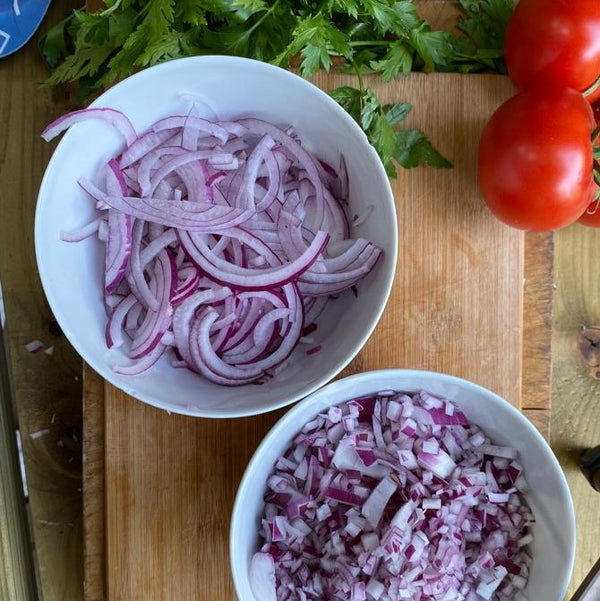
x: 224, y: 241
x: 394, y: 496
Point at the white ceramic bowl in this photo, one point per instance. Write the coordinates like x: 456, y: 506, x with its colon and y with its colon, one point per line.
x: 553, y: 547
x: 71, y: 273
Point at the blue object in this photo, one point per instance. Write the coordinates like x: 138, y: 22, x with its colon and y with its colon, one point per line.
x: 19, y: 19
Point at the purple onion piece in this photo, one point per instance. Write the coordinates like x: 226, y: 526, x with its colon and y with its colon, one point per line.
x: 224, y: 242
x: 361, y: 507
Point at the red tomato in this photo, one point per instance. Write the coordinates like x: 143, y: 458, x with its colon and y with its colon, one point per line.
x: 591, y: 216
x: 554, y: 43
x: 535, y: 163
x: 596, y: 109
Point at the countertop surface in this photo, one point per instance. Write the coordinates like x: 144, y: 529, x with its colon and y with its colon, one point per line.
x: 47, y: 385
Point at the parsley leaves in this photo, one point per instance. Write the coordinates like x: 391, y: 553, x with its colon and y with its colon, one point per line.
x: 387, y: 37
x: 408, y: 147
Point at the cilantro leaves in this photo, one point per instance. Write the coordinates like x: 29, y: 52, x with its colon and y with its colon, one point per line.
x: 387, y: 37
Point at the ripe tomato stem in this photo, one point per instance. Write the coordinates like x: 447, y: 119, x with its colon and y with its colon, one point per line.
x: 592, y: 88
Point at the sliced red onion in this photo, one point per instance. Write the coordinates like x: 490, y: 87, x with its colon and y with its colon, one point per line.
x: 182, y: 158
x: 244, y: 278
x: 362, y: 507
x: 83, y: 232
x: 142, y: 146
x: 259, y: 155
x: 224, y: 241
x: 136, y: 277
x: 114, y: 325
x: 190, y: 279
x: 156, y: 323
x: 119, y: 236
x: 115, y: 118
x: 208, y: 363
x: 190, y: 216
x: 142, y: 365
x: 185, y: 313
x: 191, y: 122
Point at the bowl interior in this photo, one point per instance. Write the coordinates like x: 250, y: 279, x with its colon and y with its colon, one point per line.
x: 553, y: 547
x: 221, y: 87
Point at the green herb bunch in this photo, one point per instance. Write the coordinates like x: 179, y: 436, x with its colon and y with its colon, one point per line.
x: 386, y: 37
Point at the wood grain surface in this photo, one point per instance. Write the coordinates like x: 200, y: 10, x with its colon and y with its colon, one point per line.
x: 454, y: 257
x: 47, y: 387
x: 456, y: 306
x: 94, y: 519
x: 576, y: 384
x: 17, y: 576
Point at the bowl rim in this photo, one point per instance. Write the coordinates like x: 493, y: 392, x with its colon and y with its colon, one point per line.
x: 104, y: 370
x: 291, y: 417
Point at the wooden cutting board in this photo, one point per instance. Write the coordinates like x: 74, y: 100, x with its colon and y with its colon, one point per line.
x: 471, y: 297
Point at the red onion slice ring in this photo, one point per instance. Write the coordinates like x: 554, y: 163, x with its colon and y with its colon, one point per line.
x: 194, y: 216
x: 250, y: 279
x: 223, y: 242
x: 115, y: 118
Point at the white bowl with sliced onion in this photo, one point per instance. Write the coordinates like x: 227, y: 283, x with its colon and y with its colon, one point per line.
x: 215, y: 236
x: 397, y: 483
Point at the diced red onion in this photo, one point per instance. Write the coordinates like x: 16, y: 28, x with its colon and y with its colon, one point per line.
x: 383, y: 513
x: 262, y: 577
x: 34, y: 346
x: 224, y: 242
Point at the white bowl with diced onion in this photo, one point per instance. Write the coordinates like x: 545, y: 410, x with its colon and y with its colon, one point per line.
x: 72, y: 273
x: 542, y: 488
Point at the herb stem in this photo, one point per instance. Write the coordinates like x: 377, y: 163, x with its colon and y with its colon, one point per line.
x: 594, y: 137
x: 361, y: 83
x: 359, y: 43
